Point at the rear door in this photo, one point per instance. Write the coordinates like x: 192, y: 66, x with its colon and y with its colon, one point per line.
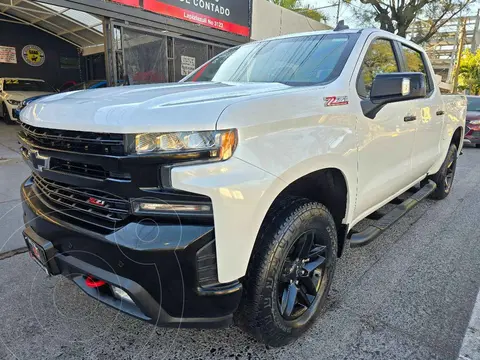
x: 385, y: 142
x: 429, y: 114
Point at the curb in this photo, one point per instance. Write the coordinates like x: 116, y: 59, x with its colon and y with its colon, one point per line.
x: 470, y: 349
x: 11, y: 253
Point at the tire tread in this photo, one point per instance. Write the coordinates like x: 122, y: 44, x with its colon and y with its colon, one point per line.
x: 290, y: 211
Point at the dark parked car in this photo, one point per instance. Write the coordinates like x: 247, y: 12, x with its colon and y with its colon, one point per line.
x: 92, y: 84
x: 472, y: 132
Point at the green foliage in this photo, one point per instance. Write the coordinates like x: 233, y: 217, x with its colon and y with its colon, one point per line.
x: 397, y: 16
x: 469, y: 72
x: 379, y: 59
x: 299, y: 7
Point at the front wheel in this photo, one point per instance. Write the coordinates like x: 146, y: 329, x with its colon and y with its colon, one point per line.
x: 6, y: 115
x: 290, y: 273
x: 477, y: 146
x: 444, y: 177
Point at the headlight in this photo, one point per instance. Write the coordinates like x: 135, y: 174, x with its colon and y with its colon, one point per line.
x: 474, y: 122
x: 218, y: 145
x: 13, y: 102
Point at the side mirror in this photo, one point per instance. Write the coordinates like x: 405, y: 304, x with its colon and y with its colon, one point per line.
x: 394, y: 87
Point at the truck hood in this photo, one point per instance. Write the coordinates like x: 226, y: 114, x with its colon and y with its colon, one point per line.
x: 22, y: 95
x: 143, y: 108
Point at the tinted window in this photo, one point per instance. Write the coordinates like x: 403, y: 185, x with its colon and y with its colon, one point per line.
x: 302, y: 60
x: 473, y: 103
x: 380, y: 59
x: 414, y: 63
x: 26, y: 85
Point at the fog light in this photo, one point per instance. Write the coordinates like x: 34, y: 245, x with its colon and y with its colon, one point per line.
x: 144, y: 207
x: 120, y: 294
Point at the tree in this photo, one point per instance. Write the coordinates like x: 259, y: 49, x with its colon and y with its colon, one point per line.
x: 396, y: 16
x: 299, y: 7
x: 469, y: 72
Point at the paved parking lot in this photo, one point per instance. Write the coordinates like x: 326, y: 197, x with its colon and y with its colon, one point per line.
x: 12, y: 172
x: 408, y: 295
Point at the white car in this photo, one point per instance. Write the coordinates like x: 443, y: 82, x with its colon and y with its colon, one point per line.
x: 14, y: 90
x: 230, y: 195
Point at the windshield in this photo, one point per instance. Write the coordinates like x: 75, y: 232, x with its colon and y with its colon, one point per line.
x: 26, y: 85
x: 305, y: 60
x: 86, y: 85
x: 473, y: 103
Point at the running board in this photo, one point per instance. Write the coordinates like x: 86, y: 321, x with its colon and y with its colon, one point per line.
x: 371, y: 232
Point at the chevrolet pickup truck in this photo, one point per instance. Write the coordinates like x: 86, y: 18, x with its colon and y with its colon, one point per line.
x: 229, y: 196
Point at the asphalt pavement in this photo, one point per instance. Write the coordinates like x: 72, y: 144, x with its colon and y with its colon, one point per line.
x: 12, y: 172
x: 408, y: 295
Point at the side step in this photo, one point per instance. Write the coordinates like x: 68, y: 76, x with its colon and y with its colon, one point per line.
x: 370, y: 233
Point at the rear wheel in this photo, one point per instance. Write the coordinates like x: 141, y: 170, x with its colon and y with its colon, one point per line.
x: 290, y: 273
x: 477, y: 146
x: 445, y: 176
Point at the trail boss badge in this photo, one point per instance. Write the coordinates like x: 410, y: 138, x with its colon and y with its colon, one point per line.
x: 33, y: 55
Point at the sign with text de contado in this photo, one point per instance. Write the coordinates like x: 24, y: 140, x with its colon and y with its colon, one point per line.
x: 227, y: 15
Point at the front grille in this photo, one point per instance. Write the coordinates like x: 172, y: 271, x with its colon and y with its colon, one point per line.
x: 76, y: 141
x: 88, y: 205
x: 71, y: 167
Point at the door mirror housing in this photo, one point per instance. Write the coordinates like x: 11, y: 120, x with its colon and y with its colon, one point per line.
x: 394, y: 87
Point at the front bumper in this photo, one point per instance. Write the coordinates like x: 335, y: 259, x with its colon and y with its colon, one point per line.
x: 16, y: 114
x: 471, y: 140
x: 472, y: 134
x: 12, y: 111
x: 160, y: 273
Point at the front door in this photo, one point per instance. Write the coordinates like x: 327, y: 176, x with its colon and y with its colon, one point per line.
x: 385, y: 142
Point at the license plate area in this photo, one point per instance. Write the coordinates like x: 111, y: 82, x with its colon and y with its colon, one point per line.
x: 41, y: 251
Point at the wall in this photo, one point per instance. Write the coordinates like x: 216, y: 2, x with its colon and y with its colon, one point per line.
x: 269, y: 20
x: 19, y: 35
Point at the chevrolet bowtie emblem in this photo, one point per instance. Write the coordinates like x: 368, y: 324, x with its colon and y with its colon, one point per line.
x: 39, y: 162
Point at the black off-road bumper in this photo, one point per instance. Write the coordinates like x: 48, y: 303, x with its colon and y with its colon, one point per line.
x: 161, y: 274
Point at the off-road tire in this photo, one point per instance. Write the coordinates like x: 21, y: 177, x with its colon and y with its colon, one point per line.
x: 6, y: 116
x: 259, y: 312
x: 445, y: 176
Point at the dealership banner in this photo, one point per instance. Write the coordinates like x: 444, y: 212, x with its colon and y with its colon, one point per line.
x: 8, y: 55
x: 232, y: 16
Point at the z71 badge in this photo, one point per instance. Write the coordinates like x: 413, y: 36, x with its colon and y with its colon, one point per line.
x: 335, y: 100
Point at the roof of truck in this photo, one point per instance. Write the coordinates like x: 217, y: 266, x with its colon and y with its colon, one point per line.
x: 320, y: 32
x: 366, y: 32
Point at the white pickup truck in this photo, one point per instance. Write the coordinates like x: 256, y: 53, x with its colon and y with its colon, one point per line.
x: 230, y: 195
x: 14, y: 90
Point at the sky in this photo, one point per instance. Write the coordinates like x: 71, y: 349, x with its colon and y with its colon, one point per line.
x: 347, y: 12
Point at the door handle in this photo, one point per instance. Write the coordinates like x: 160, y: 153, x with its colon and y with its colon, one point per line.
x: 440, y: 112
x: 409, y: 118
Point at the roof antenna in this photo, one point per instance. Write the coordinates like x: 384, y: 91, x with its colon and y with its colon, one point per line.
x: 341, y: 26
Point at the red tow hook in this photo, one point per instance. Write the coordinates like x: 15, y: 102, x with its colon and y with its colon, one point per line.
x: 94, y: 283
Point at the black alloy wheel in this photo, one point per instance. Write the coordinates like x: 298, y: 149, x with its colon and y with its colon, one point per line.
x: 290, y: 273
x: 302, y: 275
x: 445, y: 176
x: 451, y: 167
